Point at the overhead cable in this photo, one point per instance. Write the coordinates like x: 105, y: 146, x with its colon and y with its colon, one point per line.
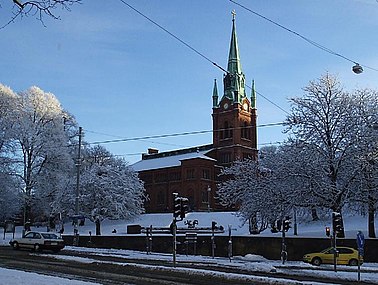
x: 192, y: 48
x: 301, y: 36
x: 178, y: 134
x: 174, y: 36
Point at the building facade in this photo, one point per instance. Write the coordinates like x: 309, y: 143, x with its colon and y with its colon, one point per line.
x: 193, y: 172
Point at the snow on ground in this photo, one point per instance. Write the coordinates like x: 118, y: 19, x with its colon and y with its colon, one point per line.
x: 352, y: 224
x: 10, y: 276
x: 251, y: 262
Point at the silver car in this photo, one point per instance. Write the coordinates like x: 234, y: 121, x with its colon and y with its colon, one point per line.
x: 38, y: 241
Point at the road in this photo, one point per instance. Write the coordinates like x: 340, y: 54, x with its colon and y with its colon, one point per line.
x: 118, y: 270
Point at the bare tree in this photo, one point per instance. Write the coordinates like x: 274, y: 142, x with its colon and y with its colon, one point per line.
x: 321, y: 121
x: 109, y: 188
x: 366, y: 194
x: 39, y: 8
x: 42, y: 139
x: 257, y: 189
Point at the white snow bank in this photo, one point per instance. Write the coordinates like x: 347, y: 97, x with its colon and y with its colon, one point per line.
x: 10, y: 276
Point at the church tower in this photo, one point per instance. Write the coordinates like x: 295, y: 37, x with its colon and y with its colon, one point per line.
x: 234, y: 116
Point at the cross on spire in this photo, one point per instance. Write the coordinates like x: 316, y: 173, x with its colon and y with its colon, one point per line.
x: 233, y: 12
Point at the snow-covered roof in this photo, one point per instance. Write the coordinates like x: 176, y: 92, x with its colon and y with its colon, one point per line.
x: 169, y: 160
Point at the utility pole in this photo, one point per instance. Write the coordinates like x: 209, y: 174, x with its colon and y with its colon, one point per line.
x: 176, y: 213
x: 208, y: 198
x: 78, y: 163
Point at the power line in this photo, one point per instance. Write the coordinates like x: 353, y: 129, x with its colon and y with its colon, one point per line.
x: 141, y: 153
x: 193, y: 49
x: 267, y: 99
x: 179, y: 134
x: 324, y: 48
x: 174, y: 36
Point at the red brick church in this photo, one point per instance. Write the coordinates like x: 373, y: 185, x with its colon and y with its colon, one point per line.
x: 193, y: 172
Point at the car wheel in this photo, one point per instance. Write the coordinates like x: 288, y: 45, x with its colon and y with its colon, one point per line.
x: 37, y: 247
x: 15, y: 245
x: 316, y: 261
x: 353, y: 262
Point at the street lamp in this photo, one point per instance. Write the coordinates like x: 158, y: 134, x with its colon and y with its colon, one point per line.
x: 357, y: 68
x: 208, y: 198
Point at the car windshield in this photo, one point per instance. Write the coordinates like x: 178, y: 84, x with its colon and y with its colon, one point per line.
x: 49, y: 236
x: 327, y: 250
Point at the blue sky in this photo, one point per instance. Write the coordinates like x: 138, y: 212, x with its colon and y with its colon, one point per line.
x: 123, y: 77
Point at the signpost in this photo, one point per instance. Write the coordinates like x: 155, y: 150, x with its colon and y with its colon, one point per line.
x: 360, y: 246
x: 9, y: 227
x: 180, y: 208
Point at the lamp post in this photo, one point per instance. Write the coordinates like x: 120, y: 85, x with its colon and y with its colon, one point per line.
x: 357, y: 68
x: 208, y: 198
x: 78, y: 163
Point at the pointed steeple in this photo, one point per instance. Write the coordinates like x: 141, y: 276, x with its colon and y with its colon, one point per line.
x: 215, y: 94
x: 234, y: 80
x: 234, y: 65
x: 253, y: 95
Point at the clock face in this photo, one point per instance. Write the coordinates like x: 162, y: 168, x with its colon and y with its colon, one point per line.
x: 225, y: 106
x: 245, y: 106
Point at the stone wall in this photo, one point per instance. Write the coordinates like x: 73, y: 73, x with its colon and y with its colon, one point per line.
x: 269, y: 247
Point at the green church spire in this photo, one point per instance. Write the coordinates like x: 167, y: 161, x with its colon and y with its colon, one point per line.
x: 234, y: 65
x: 215, y: 94
x: 253, y: 95
x: 234, y: 80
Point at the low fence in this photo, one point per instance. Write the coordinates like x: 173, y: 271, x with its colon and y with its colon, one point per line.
x: 268, y: 247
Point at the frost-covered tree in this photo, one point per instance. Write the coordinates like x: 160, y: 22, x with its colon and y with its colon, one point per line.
x: 257, y: 189
x: 43, y: 143
x: 109, y: 188
x: 7, y: 120
x: 321, y: 122
x: 9, y: 188
x: 10, y: 196
x: 365, y: 110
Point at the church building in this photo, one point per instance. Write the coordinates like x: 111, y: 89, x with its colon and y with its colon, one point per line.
x: 193, y: 172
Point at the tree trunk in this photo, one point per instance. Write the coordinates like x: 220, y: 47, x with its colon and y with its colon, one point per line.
x: 314, y: 214
x: 253, y: 229
x: 98, y: 227
x: 371, y: 225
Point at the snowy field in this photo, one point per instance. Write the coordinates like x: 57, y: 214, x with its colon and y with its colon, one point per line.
x: 305, y: 229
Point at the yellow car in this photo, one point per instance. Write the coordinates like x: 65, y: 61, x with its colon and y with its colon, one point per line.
x: 345, y: 256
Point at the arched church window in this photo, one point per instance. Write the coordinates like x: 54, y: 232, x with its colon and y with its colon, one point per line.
x: 245, y: 131
x: 227, y: 80
x: 160, y: 198
x: 226, y: 130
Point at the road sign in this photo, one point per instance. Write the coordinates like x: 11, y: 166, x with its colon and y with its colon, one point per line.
x: 360, y: 240
x: 360, y: 246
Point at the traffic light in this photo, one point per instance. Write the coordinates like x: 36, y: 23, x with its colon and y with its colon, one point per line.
x: 279, y: 225
x: 337, y: 222
x: 286, y: 225
x: 184, y: 207
x: 328, y: 231
x: 176, y: 206
x: 213, y: 225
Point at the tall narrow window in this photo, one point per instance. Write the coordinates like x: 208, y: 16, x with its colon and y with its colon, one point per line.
x: 226, y: 130
x: 190, y: 174
x: 245, y: 131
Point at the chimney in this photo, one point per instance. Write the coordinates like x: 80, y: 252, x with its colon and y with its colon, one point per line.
x: 152, y: 151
